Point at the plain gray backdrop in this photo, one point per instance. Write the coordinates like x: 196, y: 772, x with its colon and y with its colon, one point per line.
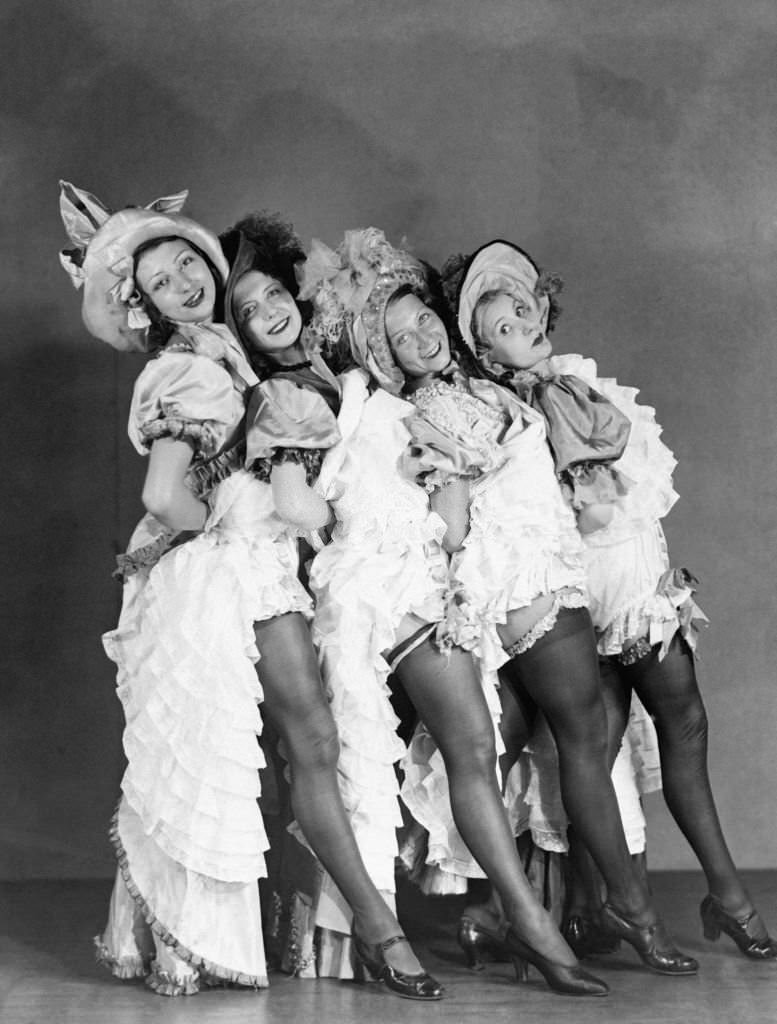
x: 630, y: 146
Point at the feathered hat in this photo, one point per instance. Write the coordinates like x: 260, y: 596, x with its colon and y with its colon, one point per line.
x: 350, y: 288
x: 102, y: 260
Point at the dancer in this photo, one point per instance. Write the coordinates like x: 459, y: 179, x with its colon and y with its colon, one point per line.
x: 380, y: 585
x: 518, y: 572
x: 197, y: 627
x: 642, y: 609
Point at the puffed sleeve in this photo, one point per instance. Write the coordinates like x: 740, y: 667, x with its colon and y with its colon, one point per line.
x: 286, y: 422
x: 187, y: 397
x: 647, y: 463
x: 453, y: 435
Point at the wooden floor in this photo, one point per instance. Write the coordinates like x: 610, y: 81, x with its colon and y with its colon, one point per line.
x: 48, y: 974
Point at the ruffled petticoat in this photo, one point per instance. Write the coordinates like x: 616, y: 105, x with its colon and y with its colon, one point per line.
x: 384, y: 562
x: 189, y: 833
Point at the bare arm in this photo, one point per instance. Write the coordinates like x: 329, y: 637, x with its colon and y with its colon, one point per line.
x: 594, y: 516
x: 295, y: 501
x: 451, y: 503
x: 166, y: 494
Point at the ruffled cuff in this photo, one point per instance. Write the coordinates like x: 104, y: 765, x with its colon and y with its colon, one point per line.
x: 204, y: 436
x: 589, y: 483
x: 310, y: 458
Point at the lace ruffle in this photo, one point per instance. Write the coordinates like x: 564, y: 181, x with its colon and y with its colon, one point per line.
x: 573, y: 599
x: 127, y: 967
x: 162, y: 932
x: 205, y: 476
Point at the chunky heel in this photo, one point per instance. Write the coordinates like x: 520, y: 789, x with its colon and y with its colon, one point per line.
x: 710, y: 926
x: 570, y: 981
x: 585, y: 938
x: 521, y: 970
x: 748, y: 931
x: 476, y: 941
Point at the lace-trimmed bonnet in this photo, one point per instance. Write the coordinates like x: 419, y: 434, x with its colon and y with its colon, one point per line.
x: 102, y: 260
x: 496, y: 266
x: 350, y: 289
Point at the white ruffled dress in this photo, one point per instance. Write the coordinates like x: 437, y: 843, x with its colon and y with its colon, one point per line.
x: 384, y: 561
x: 188, y: 832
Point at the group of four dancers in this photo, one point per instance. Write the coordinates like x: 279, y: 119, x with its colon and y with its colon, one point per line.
x: 468, y: 501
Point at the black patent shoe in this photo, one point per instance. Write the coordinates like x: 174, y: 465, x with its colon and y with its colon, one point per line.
x: 651, y: 941
x: 585, y: 937
x: 409, y: 986
x: 570, y: 981
x: 478, y: 943
x: 748, y: 931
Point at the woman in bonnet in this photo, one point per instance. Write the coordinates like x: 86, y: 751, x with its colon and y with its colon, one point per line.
x: 210, y: 627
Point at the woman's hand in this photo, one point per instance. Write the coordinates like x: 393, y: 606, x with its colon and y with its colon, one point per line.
x: 594, y: 517
x: 166, y: 494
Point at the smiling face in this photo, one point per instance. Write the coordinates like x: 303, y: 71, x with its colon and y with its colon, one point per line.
x: 417, y: 337
x: 267, y: 316
x: 511, y: 328
x: 177, y: 280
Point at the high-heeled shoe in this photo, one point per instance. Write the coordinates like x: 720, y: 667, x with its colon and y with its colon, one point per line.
x: 585, y: 937
x: 477, y: 941
x: 409, y: 986
x: 571, y: 981
x: 651, y: 942
x: 748, y: 931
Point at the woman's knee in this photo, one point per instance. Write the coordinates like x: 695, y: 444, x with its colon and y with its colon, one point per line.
x: 683, y: 721
x: 312, y: 741
x: 474, y: 753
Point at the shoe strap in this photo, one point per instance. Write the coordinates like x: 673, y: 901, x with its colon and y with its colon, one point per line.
x: 388, y: 943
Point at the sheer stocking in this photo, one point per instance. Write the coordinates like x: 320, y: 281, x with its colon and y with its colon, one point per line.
x: 296, y: 706
x: 670, y: 693
x: 448, y: 697
x: 561, y: 674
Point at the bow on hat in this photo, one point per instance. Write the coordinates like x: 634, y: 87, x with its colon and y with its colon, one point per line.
x: 103, y: 259
x: 83, y: 215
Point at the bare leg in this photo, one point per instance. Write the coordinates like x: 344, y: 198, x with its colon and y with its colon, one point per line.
x: 296, y: 706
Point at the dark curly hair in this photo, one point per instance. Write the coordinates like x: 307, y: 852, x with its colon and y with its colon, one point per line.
x: 275, y: 250
x: 161, y: 329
